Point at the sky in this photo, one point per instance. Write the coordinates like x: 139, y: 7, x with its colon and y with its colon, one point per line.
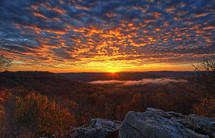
x: 106, y: 35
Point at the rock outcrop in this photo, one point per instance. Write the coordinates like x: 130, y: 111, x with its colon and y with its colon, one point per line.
x: 150, y: 124
x: 98, y: 128
x: 153, y: 123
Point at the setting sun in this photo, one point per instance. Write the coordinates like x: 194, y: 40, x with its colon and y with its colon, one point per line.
x: 112, y: 71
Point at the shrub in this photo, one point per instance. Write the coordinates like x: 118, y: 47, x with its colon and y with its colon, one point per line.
x: 206, y: 107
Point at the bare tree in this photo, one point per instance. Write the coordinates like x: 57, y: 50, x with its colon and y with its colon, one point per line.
x: 4, y: 61
x: 206, y: 73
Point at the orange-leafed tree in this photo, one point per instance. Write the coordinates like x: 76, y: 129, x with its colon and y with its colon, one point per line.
x: 35, y: 115
x: 205, y: 108
x: 44, y: 117
x: 122, y: 109
x: 9, y: 103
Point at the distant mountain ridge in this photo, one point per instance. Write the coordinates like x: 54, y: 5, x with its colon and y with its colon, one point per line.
x: 43, y: 82
x: 175, y: 73
x: 87, y: 76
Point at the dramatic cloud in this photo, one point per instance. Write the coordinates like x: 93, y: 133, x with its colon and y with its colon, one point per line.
x: 85, y: 35
x: 161, y: 81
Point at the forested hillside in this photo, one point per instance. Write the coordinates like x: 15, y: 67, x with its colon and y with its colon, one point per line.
x: 49, y: 92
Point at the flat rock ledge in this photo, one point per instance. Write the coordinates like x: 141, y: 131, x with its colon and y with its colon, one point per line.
x: 98, y: 128
x: 154, y: 123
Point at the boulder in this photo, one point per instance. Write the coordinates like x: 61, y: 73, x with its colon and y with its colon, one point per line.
x: 98, y: 128
x: 155, y: 123
x: 151, y: 124
x: 194, y: 134
x: 199, y: 124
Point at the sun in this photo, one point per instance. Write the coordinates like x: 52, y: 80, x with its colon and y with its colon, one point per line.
x: 112, y: 71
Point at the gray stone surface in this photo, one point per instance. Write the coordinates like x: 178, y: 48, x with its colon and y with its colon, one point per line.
x: 154, y: 123
x: 199, y: 124
x: 151, y: 125
x: 98, y: 128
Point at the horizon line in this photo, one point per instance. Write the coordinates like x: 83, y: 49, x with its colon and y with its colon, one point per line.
x: 100, y: 71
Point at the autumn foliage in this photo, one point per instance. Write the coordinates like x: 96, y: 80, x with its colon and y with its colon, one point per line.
x: 32, y: 115
x: 206, y: 107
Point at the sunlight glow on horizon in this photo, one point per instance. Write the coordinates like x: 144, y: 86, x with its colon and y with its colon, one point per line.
x: 110, y: 69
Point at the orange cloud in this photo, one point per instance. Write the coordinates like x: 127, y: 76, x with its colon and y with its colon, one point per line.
x: 199, y: 15
x: 39, y: 15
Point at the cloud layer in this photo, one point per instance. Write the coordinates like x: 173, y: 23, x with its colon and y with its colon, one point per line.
x: 161, y: 81
x: 100, y: 33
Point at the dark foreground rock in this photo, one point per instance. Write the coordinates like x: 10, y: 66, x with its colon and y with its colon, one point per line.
x: 149, y: 124
x: 153, y: 123
x: 98, y: 128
